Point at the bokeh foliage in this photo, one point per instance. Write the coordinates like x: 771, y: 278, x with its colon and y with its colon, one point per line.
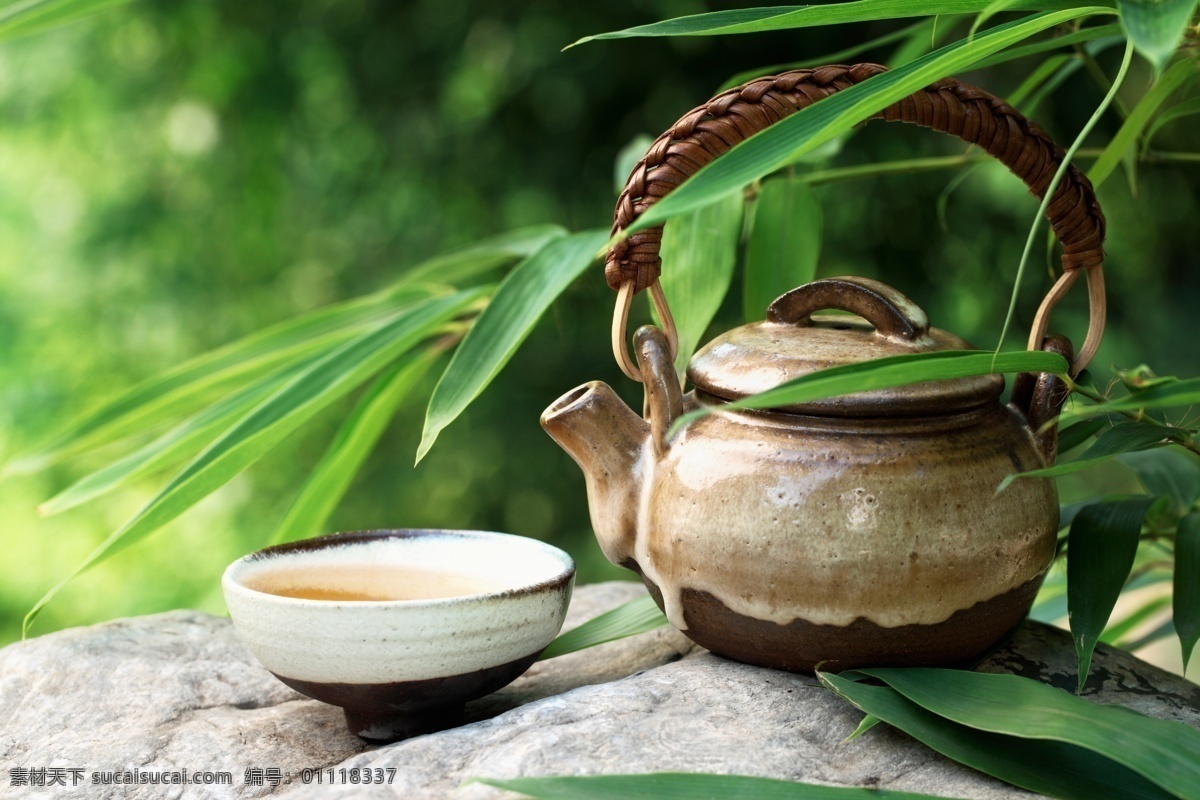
x: 180, y: 174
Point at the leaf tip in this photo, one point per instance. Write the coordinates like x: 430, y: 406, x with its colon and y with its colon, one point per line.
x: 27, y: 621
x: 427, y: 440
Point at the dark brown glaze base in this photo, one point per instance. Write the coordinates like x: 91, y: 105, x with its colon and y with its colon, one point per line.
x: 388, y: 712
x: 960, y: 641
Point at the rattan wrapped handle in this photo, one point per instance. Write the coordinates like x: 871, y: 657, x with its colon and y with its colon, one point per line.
x: 971, y: 114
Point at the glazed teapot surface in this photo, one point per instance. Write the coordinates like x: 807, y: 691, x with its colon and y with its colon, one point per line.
x: 859, y: 530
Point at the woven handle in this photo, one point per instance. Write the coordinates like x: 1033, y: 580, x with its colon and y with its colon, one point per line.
x: 967, y: 112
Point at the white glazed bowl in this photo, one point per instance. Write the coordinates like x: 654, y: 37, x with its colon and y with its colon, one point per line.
x: 399, y: 667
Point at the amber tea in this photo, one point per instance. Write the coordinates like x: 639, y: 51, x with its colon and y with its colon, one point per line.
x: 370, y: 582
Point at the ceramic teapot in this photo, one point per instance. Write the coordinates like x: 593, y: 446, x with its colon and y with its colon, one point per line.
x: 858, y: 530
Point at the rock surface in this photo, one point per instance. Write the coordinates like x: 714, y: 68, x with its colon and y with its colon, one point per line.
x: 179, y: 691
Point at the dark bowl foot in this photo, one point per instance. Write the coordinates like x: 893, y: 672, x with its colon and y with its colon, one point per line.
x: 381, y: 727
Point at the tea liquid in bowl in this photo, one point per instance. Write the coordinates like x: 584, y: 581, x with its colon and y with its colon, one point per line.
x: 402, y: 627
x: 370, y: 582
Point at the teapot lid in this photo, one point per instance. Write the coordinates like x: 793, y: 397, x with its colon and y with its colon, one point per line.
x: 794, y: 341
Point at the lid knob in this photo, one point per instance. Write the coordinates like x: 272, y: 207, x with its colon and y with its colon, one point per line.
x: 893, y: 315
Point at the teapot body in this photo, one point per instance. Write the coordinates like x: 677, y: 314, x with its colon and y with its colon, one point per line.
x: 863, y: 529
x: 786, y: 541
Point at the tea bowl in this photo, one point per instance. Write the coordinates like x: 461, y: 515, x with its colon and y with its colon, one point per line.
x: 399, y: 667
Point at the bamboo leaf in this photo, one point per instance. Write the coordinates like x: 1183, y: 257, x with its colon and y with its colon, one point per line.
x: 473, y: 260
x: 1186, y: 616
x: 1077, y: 434
x: 992, y: 9
x: 804, y: 131
x: 756, y: 20
x: 629, y: 619
x: 687, y: 786
x: 517, y: 305
x: 1162, y: 751
x: 867, y: 723
x: 1158, y: 634
x: 329, y: 378
x: 1118, y: 630
x: 32, y: 16
x: 187, y: 437
x: 698, y: 253
x: 1101, y: 545
x: 1125, y: 140
x: 1039, y: 76
x: 1168, y: 472
x: 354, y: 441
x: 1185, y: 109
x: 1173, y: 395
x: 884, y: 373
x: 1112, y: 33
x: 188, y: 386
x: 1156, y: 26
x: 843, y: 56
x: 784, y: 245
x: 1058, y: 769
x: 1124, y: 437
x: 919, y: 42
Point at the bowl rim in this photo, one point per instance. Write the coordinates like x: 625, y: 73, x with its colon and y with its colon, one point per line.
x: 558, y: 581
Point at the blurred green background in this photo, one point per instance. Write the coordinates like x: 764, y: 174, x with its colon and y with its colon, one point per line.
x: 176, y: 175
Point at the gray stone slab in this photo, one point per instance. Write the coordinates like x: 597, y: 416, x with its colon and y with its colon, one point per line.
x: 179, y: 691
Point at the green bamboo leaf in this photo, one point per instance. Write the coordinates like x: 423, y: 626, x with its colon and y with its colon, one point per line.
x: 1053, y: 768
x: 1175, y: 395
x: 188, y: 437
x: 32, y: 16
x: 1186, y: 597
x: 867, y: 723
x: 1101, y: 546
x: 756, y: 20
x: 1168, y: 472
x: 1111, y: 34
x: 698, y: 253
x: 473, y: 260
x: 1118, y: 630
x: 918, y: 43
x: 1075, y: 435
x: 1125, y: 140
x: 1162, y: 751
x: 354, y: 441
x: 843, y: 56
x: 1038, y: 77
x: 1124, y: 437
x: 784, y: 245
x: 267, y: 424
x: 628, y: 619
x: 196, y: 382
x: 518, y: 303
x: 992, y: 9
x: 804, y: 131
x: 885, y: 373
x: 1158, y: 634
x: 687, y: 786
x: 1156, y: 26
x: 190, y: 385
x: 1105, y: 36
x: 1185, y: 109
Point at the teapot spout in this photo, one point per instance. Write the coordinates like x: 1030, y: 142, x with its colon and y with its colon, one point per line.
x: 610, y: 444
